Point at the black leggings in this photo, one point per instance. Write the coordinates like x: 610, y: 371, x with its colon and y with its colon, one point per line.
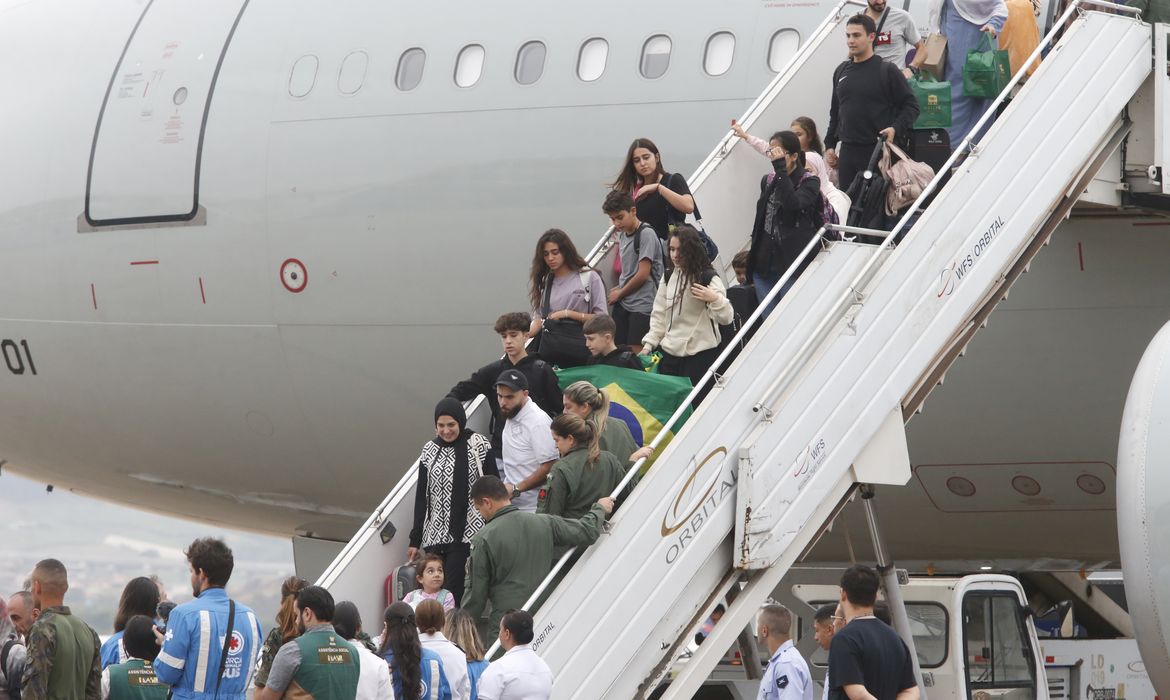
x: 693, y: 366
x: 454, y: 566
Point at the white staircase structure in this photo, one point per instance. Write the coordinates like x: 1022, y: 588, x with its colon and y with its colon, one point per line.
x: 818, y: 399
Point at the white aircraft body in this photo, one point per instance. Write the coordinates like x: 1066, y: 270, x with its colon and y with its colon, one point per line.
x: 249, y: 244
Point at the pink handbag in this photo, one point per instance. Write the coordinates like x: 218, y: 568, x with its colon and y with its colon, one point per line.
x: 907, y: 178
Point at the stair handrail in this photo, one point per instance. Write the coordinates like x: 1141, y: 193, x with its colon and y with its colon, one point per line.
x: 968, y: 144
x: 852, y: 291
x: 710, y: 375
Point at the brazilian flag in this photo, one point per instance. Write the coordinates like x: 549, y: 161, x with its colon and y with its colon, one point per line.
x: 645, y: 401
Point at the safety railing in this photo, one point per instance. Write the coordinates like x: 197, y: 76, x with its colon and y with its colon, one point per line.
x: 850, y: 295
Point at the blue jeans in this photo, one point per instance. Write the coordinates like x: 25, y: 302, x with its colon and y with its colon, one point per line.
x: 764, y: 284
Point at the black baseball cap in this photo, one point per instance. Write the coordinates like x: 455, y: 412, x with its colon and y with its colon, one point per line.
x: 513, y: 379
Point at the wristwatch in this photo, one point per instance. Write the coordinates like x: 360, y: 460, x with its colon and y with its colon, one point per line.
x: 516, y: 491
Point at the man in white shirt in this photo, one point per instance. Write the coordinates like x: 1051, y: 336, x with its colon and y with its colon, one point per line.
x: 787, y: 676
x: 528, y: 449
x: 374, y: 678
x: 519, y: 674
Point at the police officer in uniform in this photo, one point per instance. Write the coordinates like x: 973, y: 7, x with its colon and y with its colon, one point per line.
x: 134, y: 679
x: 319, y: 664
x: 787, y: 676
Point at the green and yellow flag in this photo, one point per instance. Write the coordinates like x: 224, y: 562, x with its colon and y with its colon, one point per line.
x: 645, y: 401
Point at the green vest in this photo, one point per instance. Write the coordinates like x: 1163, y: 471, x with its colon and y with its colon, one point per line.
x: 329, y: 665
x: 135, y: 680
x: 73, y: 655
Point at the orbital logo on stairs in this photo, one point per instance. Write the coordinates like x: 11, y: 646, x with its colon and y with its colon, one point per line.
x: 949, y: 278
x: 700, y: 496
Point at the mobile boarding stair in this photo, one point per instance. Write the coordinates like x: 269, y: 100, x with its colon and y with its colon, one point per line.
x: 818, y: 399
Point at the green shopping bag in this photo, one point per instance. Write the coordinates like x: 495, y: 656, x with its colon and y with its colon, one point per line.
x: 934, y: 101
x: 987, y: 71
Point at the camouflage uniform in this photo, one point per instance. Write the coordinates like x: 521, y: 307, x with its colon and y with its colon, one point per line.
x: 64, y: 662
x: 272, y: 644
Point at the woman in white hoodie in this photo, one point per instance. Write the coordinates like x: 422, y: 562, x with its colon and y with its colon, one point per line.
x: 690, y: 306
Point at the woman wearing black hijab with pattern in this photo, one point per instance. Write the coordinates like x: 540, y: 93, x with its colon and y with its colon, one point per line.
x: 444, y: 518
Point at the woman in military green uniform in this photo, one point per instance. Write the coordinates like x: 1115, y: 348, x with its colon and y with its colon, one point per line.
x: 587, y: 401
x: 583, y: 474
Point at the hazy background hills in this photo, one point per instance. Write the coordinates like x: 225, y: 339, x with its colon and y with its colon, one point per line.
x: 105, y: 545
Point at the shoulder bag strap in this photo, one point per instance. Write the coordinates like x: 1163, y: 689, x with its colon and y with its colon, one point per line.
x: 544, y: 308
x: 584, y: 276
x: 882, y: 21
x: 227, y: 644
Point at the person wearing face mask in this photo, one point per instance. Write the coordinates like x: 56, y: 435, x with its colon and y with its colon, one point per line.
x: 320, y: 663
x: 444, y: 519
x: 789, y: 213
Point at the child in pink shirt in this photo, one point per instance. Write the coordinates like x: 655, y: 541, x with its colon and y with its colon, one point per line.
x: 430, y: 578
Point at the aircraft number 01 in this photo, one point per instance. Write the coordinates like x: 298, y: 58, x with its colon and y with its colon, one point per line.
x: 17, y: 357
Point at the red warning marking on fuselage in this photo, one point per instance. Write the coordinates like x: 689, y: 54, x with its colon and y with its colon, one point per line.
x: 202, y: 294
x: 143, y: 262
x: 93, y: 295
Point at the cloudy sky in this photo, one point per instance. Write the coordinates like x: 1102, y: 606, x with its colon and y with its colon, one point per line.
x: 104, y: 545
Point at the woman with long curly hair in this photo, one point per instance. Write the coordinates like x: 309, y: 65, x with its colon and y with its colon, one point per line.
x: 663, y: 199
x: 563, y: 290
x: 690, y: 306
x: 286, y: 629
x: 415, y: 672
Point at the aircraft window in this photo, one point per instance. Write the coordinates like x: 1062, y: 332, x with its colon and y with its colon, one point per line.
x: 782, y: 48
x: 353, y: 72
x: 410, y: 69
x: 591, y: 60
x: 530, y: 62
x: 469, y: 65
x: 655, y: 56
x: 719, y: 53
x: 303, y: 76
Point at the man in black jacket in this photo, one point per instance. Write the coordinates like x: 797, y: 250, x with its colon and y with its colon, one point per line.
x: 871, y: 98
x: 542, y: 380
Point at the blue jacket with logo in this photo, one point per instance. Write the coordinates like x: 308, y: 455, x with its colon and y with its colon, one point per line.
x: 434, y: 678
x: 189, y: 660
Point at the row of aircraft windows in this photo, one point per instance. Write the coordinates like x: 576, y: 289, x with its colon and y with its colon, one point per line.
x: 718, y: 55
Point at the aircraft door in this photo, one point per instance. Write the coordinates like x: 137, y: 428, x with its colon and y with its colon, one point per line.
x: 145, y: 157
x: 997, y: 647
